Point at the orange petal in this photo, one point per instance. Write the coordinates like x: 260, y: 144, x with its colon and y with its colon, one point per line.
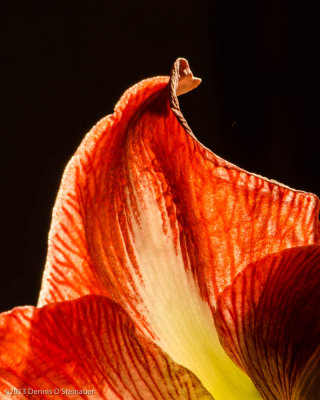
x: 269, y: 323
x: 219, y: 217
x: 149, y: 217
x: 88, y: 344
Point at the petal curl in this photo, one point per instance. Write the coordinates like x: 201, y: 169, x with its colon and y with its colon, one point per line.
x: 151, y: 218
x: 219, y: 216
x: 269, y: 323
x: 88, y: 345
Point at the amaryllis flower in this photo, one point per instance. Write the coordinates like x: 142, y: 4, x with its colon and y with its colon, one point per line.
x: 171, y: 273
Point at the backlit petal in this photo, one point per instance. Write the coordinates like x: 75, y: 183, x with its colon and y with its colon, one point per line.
x: 87, y: 344
x: 269, y: 323
x: 219, y: 217
x: 150, y: 217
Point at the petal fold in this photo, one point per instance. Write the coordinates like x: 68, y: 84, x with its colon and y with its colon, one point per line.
x: 217, y: 215
x: 149, y: 217
x: 88, y: 349
x: 269, y: 323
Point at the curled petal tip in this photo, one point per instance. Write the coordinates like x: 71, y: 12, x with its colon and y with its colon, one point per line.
x: 187, y: 84
x: 186, y: 80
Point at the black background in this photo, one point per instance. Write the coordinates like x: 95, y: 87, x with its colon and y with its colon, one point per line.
x: 66, y: 63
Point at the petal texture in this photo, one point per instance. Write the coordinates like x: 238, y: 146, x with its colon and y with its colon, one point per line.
x: 269, y: 322
x: 219, y: 217
x: 87, y: 345
x: 151, y: 218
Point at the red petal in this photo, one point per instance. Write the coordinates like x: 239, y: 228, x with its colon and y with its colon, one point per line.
x: 86, y: 344
x: 269, y: 323
x: 149, y: 217
x: 219, y: 217
x: 70, y: 271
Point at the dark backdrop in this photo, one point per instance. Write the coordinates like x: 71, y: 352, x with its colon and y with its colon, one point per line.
x: 66, y: 63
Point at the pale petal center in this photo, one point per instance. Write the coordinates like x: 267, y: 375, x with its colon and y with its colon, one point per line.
x: 171, y: 302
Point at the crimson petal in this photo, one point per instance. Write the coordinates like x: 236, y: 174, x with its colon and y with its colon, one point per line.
x: 269, y: 323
